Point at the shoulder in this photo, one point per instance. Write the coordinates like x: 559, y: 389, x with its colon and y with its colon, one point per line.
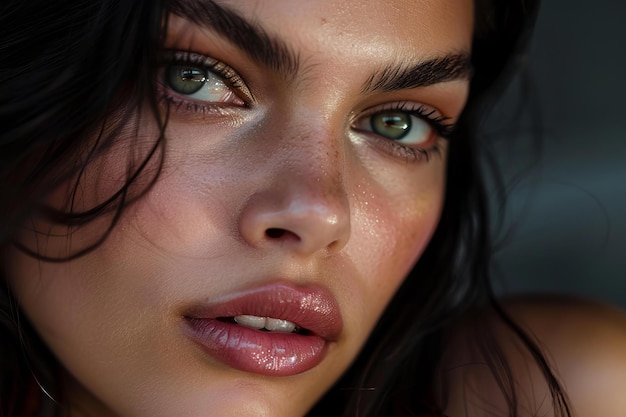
x: 487, y: 367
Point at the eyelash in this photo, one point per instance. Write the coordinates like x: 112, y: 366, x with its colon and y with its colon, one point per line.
x: 229, y: 76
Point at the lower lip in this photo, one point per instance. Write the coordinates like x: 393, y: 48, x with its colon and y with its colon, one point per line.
x: 250, y: 350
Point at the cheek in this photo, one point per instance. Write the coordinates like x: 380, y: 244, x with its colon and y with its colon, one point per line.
x: 391, y: 231
x: 186, y: 211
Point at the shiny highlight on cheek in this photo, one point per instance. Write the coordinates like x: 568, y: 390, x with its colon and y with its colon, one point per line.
x: 398, y: 224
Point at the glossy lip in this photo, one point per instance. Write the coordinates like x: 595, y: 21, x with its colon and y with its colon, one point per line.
x: 312, y: 308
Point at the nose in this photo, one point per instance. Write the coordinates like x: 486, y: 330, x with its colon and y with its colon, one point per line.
x: 303, y: 207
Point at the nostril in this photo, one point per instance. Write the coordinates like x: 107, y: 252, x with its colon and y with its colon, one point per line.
x: 275, y: 233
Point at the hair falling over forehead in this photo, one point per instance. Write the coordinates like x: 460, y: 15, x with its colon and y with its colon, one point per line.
x: 93, y: 57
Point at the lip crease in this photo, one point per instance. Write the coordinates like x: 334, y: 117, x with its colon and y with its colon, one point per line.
x: 312, y: 308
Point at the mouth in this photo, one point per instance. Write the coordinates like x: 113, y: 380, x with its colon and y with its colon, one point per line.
x: 265, y: 324
x: 277, y: 329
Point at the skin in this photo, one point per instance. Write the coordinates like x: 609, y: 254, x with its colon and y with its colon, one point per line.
x: 354, y: 215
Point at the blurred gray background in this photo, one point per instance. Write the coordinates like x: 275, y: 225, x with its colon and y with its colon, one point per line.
x: 564, y: 225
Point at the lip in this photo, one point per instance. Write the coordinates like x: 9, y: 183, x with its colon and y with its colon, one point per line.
x: 312, y: 308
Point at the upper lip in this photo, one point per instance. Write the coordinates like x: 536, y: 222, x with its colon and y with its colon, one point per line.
x: 310, y: 307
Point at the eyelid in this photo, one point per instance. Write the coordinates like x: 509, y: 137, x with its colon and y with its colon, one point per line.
x: 219, y: 68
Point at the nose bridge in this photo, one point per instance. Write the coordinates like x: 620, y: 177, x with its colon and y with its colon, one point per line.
x: 314, y: 161
x: 304, y: 205
x: 314, y: 168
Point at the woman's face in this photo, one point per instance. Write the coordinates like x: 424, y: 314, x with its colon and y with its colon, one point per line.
x: 303, y: 177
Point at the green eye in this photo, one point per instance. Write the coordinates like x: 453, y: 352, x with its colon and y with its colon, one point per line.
x: 400, y: 126
x: 185, y: 79
x: 392, y: 125
x: 201, y: 82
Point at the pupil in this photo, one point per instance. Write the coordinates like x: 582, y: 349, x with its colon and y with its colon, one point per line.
x: 190, y: 74
x: 392, y: 125
x: 185, y: 80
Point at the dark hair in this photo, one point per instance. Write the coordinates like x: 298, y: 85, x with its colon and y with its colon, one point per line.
x: 64, y: 68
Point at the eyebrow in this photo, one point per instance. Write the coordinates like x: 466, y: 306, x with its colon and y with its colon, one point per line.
x: 429, y: 72
x: 247, y: 36
x: 275, y: 54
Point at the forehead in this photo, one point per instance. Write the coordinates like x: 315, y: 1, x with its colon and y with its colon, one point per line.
x: 428, y: 27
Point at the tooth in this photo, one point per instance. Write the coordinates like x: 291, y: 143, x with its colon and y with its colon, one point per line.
x: 277, y: 325
x: 255, y: 322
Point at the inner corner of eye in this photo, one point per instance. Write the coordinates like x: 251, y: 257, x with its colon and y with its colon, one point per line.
x: 363, y: 123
